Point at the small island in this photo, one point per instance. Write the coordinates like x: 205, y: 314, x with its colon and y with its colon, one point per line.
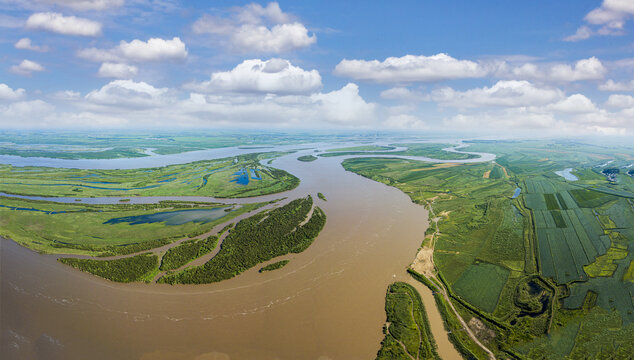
x: 307, y: 158
x: 274, y: 266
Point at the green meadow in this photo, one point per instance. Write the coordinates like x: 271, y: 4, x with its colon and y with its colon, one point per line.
x: 537, y: 267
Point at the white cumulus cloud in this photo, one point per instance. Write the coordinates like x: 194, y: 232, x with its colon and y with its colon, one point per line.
x: 576, y: 103
x: 6, y: 93
x: 612, y: 85
x: 620, y: 101
x: 608, y: 19
x: 410, y: 68
x: 257, y: 29
x: 584, y: 69
x: 66, y: 25
x: 344, y: 106
x: 26, y: 44
x: 26, y: 67
x: 511, y: 93
x: 276, y: 76
x: 155, y: 49
x: 128, y: 93
x: 117, y: 70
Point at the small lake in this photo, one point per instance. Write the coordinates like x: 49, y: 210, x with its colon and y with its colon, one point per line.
x: 516, y: 193
x: 177, y: 217
x: 567, y: 174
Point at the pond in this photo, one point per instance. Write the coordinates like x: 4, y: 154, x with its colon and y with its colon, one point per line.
x: 516, y: 193
x: 567, y: 174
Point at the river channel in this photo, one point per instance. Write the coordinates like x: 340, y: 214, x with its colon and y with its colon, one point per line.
x: 327, y: 303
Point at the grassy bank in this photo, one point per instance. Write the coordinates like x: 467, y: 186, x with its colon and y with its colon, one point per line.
x: 408, y: 334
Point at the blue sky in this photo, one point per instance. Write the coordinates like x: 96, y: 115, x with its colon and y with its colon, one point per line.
x: 495, y: 67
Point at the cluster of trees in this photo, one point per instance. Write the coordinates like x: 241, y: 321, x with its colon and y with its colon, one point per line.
x: 187, y: 251
x: 257, y: 239
x: 307, y: 158
x: 129, y: 269
x: 274, y: 266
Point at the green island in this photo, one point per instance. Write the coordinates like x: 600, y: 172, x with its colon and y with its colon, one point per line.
x: 407, y: 332
x: 257, y: 239
x: 430, y: 150
x: 321, y: 196
x: 233, y: 177
x: 107, y: 230
x: 185, y: 252
x: 534, y: 262
x: 274, y: 266
x: 307, y: 158
x: 141, y: 267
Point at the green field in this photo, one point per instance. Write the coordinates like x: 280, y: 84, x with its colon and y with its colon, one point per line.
x: 481, y: 285
x: 408, y: 335
x: 570, y: 240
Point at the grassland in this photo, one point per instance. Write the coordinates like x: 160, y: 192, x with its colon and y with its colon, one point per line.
x: 407, y: 332
x: 544, y: 252
x: 216, y: 178
x: 88, y: 229
x: 257, y: 239
x: 136, y: 268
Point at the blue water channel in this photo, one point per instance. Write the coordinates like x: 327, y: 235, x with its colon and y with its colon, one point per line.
x: 176, y: 217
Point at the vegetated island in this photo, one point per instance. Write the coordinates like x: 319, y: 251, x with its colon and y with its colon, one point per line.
x: 257, y: 239
x: 274, y: 266
x: 407, y: 331
x: 141, y: 267
x: 187, y: 251
x: 321, y: 196
x: 307, y: 158
x: 232, y: 177
x: 108, y: 230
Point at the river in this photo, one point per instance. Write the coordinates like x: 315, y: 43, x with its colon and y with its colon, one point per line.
x: 327, y: 303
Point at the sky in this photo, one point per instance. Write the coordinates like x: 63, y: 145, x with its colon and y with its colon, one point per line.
x: 542, y: 68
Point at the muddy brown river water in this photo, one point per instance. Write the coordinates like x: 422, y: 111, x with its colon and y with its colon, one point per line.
x: 327, y: 303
